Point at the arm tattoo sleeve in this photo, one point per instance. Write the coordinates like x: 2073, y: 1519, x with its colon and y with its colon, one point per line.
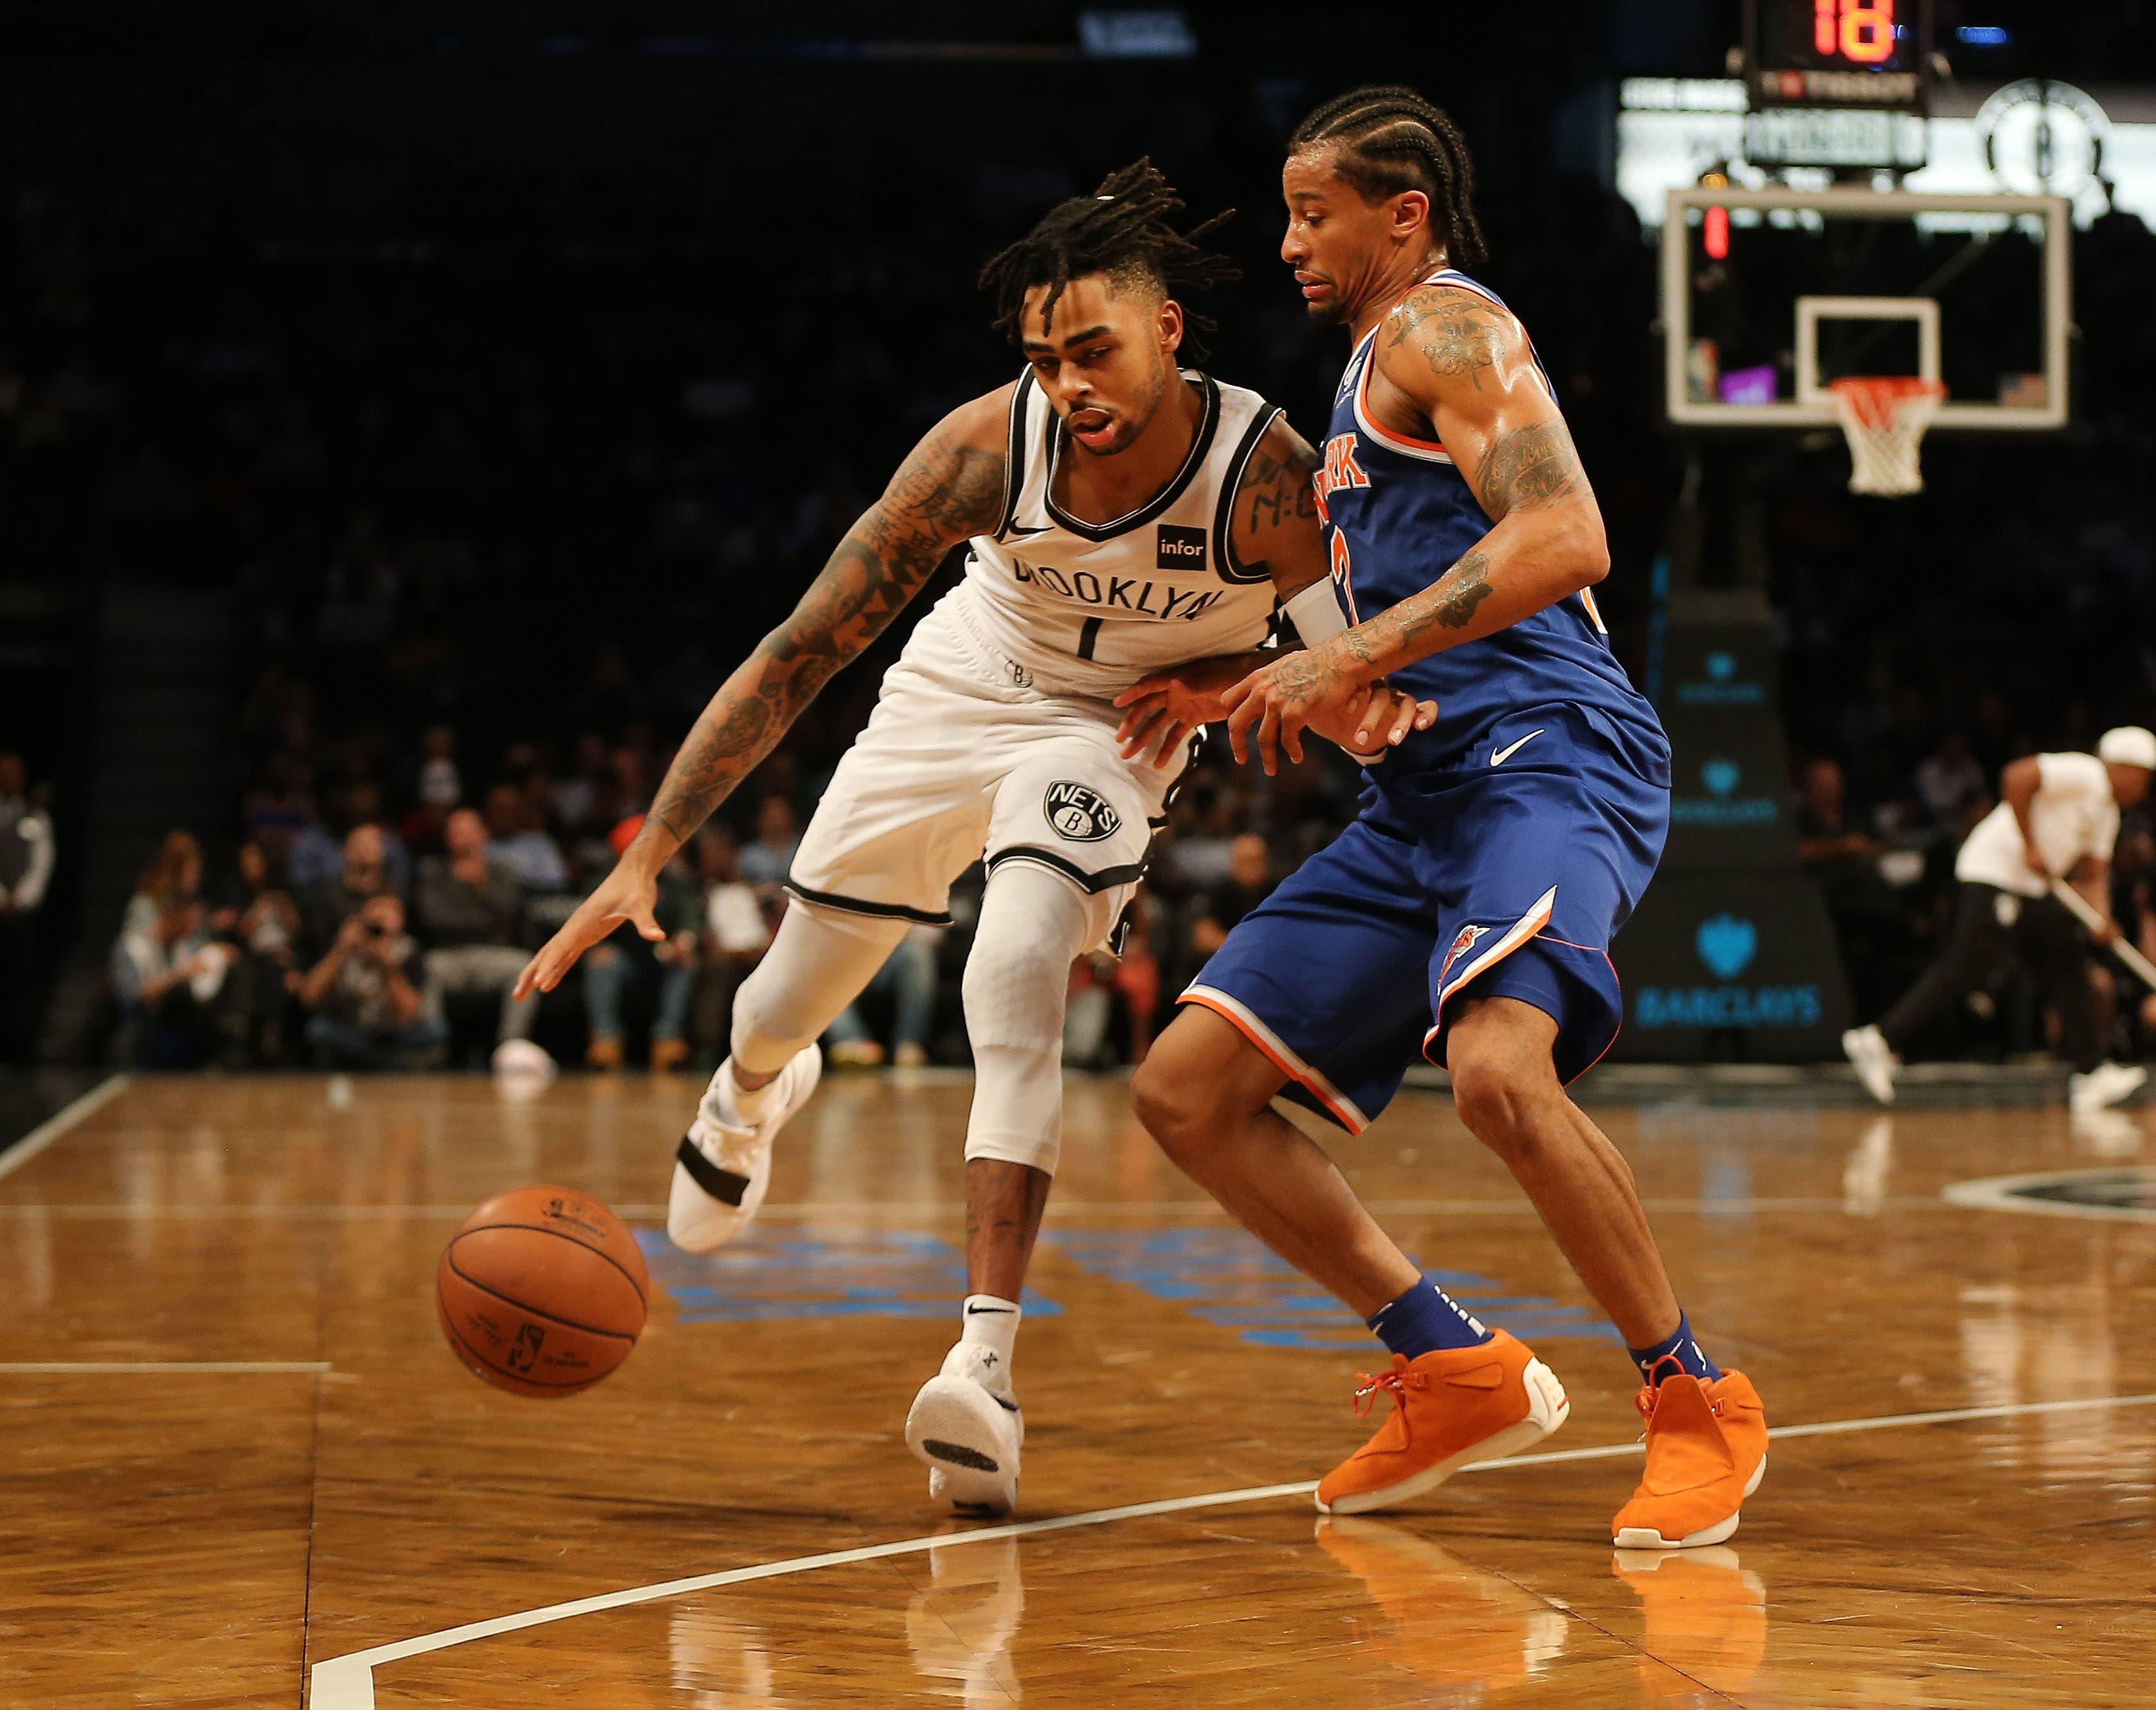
x: 944, y: 491
x: 1457, y: 334
x: 1531, y: 465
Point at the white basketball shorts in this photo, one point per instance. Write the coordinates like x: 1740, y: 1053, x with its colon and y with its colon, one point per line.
x: 964, y: 757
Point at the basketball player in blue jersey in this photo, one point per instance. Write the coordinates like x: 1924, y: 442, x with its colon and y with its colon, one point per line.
x: 1468, y: 910
x: 1121, y: 513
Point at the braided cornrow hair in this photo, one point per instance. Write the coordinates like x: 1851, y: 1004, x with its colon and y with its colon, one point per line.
x: 1396, y: 140
x: 1121, y: 229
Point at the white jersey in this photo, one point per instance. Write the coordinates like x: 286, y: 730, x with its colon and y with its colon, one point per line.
x: 1088, y: 609
x: 2074, y: 815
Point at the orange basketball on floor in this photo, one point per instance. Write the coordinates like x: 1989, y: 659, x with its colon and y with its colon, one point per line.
x: 543, y: 1291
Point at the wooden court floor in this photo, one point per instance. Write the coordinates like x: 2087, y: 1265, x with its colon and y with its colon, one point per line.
x: 236, y: 1459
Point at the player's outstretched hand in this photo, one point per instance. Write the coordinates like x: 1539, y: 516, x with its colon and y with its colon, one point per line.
x: 1160, y: 710
x: 624, y: 894
x: 1278, y: 702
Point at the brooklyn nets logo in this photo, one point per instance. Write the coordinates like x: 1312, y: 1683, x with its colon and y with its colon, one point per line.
x: 1080, y: 813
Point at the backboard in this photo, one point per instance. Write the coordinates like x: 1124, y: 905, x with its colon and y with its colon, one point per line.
x: 1770, y: 295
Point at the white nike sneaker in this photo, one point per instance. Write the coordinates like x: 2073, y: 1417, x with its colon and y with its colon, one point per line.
x: 966, y: 1427
x: 2104, y: 1085
x: 1873, y: 1059
x: 722, y: 1167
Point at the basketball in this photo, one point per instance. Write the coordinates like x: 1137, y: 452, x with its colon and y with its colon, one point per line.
x: 541, y: 1292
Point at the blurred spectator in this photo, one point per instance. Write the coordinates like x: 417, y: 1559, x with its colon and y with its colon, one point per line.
x: 468, y: 908
x: 440, y: 785
x: 1950, y: 783
x: 1248, y: 882
x: 518, y: 844
x: 1208, y: 836
x: 906, y: 981
x: 769, y: 857
x: 364, y: 1011
x: 362, y: 875
x: 278, y: 809
x: 736, y: 932
x: 1104, y: 989
x: 669, y: 966
x: 26, y: 870
x: 576, y: 797
x: 1869, y: 923
x: 166, y: 976
x: 260, y: 924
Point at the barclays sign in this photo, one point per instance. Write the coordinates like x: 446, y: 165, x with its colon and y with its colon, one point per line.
x: 1720, y: 684
x: 1723, y: 806
x: 1728, y: 944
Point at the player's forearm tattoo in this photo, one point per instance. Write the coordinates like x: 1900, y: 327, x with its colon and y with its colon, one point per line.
x: 1531, y: 465
x: 942, y: 493
x: 1458, y: 336
x: 1397, y: 636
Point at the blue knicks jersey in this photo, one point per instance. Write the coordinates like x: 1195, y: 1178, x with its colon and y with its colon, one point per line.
x: 1397, y: 515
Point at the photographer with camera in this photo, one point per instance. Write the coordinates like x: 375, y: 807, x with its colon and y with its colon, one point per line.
x: 364, y: 1011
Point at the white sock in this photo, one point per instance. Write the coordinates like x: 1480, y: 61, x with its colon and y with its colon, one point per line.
x: 991, y: 1325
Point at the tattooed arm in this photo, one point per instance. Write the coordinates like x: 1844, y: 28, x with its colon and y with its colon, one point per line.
x: 1450, y: 361
x: 949, y: 488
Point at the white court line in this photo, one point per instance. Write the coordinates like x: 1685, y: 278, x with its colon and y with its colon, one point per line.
x: 2002, y: 1194
x: 347, y: 1683
x: 227, y: 1368
x: 39, y: 1137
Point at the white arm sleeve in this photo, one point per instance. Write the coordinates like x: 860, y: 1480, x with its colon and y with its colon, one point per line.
x: 1316, y: 612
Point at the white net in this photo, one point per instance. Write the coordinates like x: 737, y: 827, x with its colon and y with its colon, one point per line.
x: 1884, y: 419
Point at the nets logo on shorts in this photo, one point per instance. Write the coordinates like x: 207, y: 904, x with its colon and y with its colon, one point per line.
x: 1181, y: 548
x: 1081, y: 814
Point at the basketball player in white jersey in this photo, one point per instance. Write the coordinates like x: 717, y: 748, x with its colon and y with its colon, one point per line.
x: 1123, y: 515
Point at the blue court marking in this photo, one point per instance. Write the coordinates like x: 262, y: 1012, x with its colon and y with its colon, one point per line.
x: 868, y: 1274
x: 1225, y: 1277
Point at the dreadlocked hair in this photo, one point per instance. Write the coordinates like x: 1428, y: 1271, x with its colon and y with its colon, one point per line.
x: 1122, y: 230
x: 1393, y: 141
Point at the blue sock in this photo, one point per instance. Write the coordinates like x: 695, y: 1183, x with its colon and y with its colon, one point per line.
x: 1426, y: 1318
x: 1679, y: 1346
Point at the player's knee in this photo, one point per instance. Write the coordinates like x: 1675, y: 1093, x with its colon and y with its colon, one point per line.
x: 1169, y: 1105
x: 1014, y: 990
x: 1496, y: 1099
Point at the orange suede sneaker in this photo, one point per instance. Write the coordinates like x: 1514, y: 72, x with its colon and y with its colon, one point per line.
x: 1707, y: 1451
x: 1451, y: 1409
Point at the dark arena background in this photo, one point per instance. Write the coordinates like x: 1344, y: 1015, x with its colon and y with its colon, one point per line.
x: 410, y: 414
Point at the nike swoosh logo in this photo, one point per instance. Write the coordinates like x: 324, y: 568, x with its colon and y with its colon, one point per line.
x: 977, y: 1312
x: 1014, y: 532
x: 1505, y: 754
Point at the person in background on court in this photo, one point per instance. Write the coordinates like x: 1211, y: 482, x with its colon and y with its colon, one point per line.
x: 469, y: 911
x: 2057, y: 818
x: 1216, y: 909
x: 1848, y: 863
x: 25, y: 869
x: 364, y: 1011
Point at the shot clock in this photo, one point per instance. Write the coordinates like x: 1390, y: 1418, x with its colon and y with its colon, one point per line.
x: 1871, y: 53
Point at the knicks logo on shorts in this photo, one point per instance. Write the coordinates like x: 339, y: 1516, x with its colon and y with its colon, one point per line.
x: 1081, y: 814
x: 1461, y: 945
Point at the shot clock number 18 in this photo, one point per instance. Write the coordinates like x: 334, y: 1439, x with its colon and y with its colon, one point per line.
x: 1852, y: 30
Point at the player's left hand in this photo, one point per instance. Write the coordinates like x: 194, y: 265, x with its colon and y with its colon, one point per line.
x: 1278, y: 702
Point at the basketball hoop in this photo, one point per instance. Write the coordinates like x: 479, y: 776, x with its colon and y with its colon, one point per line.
x: 1884, y: 418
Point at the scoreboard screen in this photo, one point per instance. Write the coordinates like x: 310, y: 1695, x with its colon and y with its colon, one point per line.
x: 1838, y: 53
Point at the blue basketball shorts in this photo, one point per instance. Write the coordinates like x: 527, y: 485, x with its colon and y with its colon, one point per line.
x: 1505, y: 874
